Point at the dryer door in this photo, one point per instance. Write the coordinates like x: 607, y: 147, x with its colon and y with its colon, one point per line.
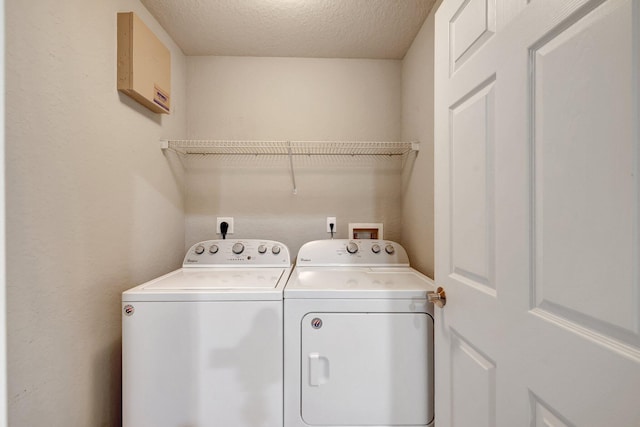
x: 367, y: 369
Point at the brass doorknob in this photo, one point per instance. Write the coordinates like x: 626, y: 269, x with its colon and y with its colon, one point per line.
x: 438, y: 297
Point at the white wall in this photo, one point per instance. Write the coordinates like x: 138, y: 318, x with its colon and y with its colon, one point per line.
x: 244, y: 98
x: 93, y: 206
x: 3, y: 239
x: 417, y: 124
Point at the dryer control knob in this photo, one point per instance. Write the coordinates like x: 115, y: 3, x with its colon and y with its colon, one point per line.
x: 238, y: 248
x: 213, y: 249
x: 389, y: 249
x: 375, y: 248
x: 352, y: 248
x: 275, y: 250
x: 262, y: 249
x: 199, y: 249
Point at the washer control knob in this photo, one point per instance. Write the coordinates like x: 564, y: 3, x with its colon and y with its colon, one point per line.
x: 262, y: 249
x: 352, y: 248
x: 237, y: 248
x: 199, y: 250
x: 275, y: 250
x: 213, y: 249
x: 375, y: 248
x: 389, y: 249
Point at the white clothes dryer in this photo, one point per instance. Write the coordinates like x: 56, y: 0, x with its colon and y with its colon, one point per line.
x: 358, y: 337
x: 202, y: 345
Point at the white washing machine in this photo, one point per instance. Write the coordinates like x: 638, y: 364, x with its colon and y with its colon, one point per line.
x: 358, y: 337
x: 202, y: 346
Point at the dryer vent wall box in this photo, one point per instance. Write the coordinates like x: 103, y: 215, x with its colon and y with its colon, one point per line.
x: 144, y: 64
x: 366, y: 230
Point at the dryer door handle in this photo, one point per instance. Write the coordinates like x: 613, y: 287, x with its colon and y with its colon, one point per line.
x: 318, y: 370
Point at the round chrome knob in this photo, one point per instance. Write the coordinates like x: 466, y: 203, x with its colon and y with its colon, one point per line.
x: 213, y: 249
x: 352, y: 248
x: 199, y: 249
x: 275, y: 250
x: 262, y: 249
x: 389, y: 249
x: 237, y: 248
x: 375, y: 248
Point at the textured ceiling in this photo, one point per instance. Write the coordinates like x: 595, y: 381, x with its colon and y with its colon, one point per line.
x: 380, y: 29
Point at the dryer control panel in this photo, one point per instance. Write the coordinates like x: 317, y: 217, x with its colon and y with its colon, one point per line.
x: 350, y: 252
x: 237, y: 252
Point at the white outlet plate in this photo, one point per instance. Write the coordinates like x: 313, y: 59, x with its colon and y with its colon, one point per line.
x: 331, y: 220
x: 228, y: 220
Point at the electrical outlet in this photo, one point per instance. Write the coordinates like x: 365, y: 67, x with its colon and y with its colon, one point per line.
x: 331, y: 220
x: 228, y: 220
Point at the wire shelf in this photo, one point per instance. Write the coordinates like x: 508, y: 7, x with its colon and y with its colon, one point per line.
x: 290, y: 148
x: 197, y: 147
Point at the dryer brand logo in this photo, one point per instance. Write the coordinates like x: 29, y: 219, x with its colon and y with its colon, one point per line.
x: 128, y: 310
x: 305, y: 259
x: 316, y: 323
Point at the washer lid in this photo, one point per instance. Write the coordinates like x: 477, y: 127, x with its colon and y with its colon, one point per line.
x: 357, y: 282
x: 213, y: 284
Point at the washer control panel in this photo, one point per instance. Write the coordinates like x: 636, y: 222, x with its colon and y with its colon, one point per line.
x: 349, y: 252
x: 232, y: 252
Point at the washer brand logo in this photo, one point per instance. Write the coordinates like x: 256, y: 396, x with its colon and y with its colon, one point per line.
x: 316, y: 323
x: 129, y: 310
x: 192, y: 260
x: 305, y: 259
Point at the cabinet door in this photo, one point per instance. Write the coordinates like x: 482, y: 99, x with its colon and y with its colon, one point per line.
x: 366, y: 369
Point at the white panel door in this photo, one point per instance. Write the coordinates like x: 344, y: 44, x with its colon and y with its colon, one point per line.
x: 538, y: 213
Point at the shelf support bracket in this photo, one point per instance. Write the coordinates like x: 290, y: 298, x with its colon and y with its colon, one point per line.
x: 293, y: 173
